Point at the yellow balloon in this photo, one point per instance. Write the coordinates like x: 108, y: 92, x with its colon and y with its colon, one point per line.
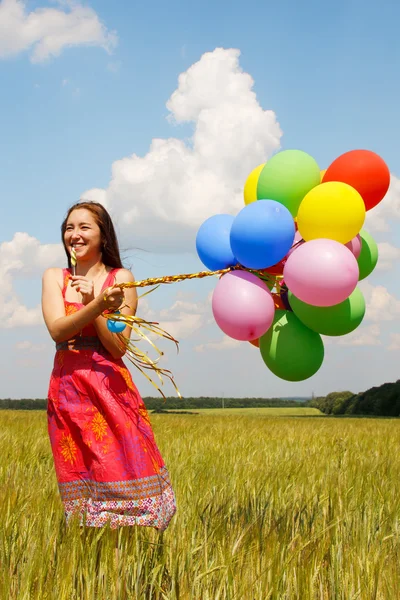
x: 332, y: 210
x: 250, y: 187
x: 323, y: 173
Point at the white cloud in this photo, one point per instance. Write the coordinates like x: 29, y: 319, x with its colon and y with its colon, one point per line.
x: 95, y: 195
x: 380, y: 304
x: 171, y: 190
x: 388, y: 254
x: 227, y: 343
x: 183, y: 318
x: 379, y: 218
x: 183, y: 326
x: 45, y: 32
x: 23, y: 257
x: 28, y: 256
x: 363, y: 336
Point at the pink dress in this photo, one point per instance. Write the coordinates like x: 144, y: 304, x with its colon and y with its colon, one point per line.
x: 107, y: 463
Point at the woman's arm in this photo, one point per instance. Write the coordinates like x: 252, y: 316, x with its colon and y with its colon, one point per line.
x: 60, y: 326
x: 109, y: 339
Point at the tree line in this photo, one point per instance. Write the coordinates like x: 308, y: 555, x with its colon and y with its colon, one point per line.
x: 382, y: 401
x: 173, y: 403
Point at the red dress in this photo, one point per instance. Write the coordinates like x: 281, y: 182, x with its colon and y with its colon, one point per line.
x: 107, y: 463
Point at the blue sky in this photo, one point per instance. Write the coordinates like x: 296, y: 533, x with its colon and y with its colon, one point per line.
x: 328, y: 71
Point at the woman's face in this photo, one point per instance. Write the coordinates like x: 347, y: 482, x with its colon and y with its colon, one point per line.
x: 83, y: 234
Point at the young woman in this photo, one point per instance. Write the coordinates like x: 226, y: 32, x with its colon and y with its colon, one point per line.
x: 107, y: 463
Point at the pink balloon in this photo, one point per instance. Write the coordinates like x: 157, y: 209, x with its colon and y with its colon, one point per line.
x: 243, y: 306
x: 321, y: 272
x: 355, y: 245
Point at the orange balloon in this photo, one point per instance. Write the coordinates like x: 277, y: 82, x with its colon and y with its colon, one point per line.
x: 365, y: 171
x: 322, y: 174
x: 255, y: 343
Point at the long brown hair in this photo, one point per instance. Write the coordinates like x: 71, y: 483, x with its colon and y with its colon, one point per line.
x: 109, y: 243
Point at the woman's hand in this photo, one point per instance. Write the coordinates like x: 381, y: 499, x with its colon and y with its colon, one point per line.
x: 84, y: 286
x: 111, y: 299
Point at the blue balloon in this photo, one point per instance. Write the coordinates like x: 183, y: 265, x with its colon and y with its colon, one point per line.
x: 115, y: 326
x: 212, y: 243
x: 262, y: 234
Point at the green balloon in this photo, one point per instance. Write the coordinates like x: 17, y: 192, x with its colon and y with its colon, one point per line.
x: 368, y: 258
x: 339, y: 319
x: 287, y: 177
x: 290, y: 349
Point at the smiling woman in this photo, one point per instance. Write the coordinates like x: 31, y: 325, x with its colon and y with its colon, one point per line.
x: 108, y: 466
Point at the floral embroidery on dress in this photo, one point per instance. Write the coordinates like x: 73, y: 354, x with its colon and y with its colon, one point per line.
x: 99, y: 426
x: 144, y: 414
x: 68, y: 448
x: 127, y: 377
x: 70, y: 309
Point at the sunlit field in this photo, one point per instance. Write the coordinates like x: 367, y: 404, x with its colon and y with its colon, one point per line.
x: 268, y: 508
x: 258, y: 412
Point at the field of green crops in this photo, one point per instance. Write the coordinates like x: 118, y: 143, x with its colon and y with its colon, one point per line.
x: 269, y: 507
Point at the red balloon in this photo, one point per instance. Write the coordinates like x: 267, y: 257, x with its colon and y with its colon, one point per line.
x: 276, y: 269
x: 365, y: 171
x: 278, y: 302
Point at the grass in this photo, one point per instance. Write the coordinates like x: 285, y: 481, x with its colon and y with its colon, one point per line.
x: 268, y: 509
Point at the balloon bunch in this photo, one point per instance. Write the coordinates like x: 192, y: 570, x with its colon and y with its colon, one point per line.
x: 297, y: 251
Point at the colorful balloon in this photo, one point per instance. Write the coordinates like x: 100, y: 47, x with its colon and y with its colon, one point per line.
x: 321, y: 272
x: 322, y: 173
x: 287, y: 177
x: 355, y: 245
x: 332, y: 210
x: 242, y: 306
x: 250, y: 187
x: 212, y: 242
x: 340, y: 319
x: 290, y: 349
x: 262, y: 234
x: 368, y: 257
x: 115, y: 326
x: 365, y: 171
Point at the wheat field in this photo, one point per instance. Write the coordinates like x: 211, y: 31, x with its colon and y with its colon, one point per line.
x: 269, y: 507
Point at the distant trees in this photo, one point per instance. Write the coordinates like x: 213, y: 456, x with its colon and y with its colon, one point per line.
x: 333, y: 403
x: 23, y: 404
x: 173, y: 403
x: 382, y: 401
